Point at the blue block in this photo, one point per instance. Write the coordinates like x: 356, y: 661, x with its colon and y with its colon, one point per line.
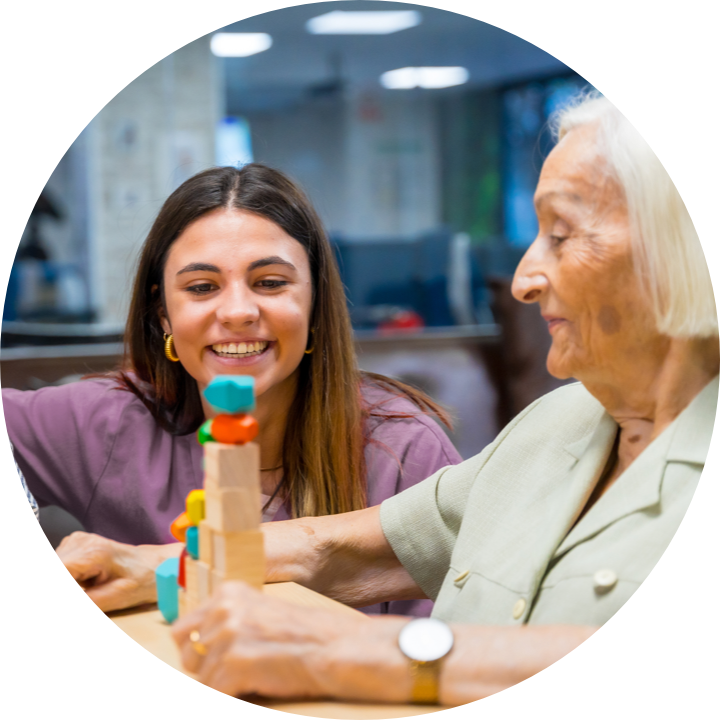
x: 192, y: 541
x: 166, y: 575
x: 231, y: 393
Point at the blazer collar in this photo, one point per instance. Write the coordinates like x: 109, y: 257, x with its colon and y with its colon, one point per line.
x: 686, y: 440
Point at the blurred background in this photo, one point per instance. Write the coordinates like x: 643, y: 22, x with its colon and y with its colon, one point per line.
x: 417, y: 133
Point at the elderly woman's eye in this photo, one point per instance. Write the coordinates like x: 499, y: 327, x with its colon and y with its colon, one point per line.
x: 557, y: 239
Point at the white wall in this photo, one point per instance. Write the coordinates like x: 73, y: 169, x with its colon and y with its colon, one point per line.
x: 370, y: 163
x: 153, y: 135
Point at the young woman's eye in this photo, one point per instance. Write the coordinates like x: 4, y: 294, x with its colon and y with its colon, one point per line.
x: 200, y: 288
x: 271, y: 284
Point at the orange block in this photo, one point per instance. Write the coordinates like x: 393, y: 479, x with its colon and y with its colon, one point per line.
x: 179, y: 525
x: 234, y: 429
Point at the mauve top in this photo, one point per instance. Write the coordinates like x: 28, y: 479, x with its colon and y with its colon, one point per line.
x: 95, y: 450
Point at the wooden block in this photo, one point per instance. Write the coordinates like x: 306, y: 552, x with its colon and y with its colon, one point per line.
x: 204, y: 572
x: 232, y: 466
x: 205, y: 542
x: 232, y: 510
x: 182, y: 603
x: 191, y: 577
x: 240, y: 556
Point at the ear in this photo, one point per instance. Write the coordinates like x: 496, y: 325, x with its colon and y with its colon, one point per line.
x: 164, y: 322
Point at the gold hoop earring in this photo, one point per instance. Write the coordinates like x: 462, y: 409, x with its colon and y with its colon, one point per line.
x: 307, y: 352
x: 170, y: 348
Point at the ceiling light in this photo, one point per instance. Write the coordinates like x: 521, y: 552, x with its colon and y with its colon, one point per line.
x: 239, y: 44
x: 343, y: 22
x: 429, y: 78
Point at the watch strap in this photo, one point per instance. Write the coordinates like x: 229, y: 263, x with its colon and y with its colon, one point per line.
x: 426, y: 681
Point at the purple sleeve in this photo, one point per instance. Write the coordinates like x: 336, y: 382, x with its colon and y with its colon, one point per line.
x: 401, y: 453
x: 63, y: 438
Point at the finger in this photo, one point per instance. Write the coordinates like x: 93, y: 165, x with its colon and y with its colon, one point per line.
x: 114, y: 595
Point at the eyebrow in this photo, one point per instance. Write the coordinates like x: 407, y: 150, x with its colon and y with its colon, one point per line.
x: 199, y: 267
x: 574, y: 197
x: 272, y: 260
x: 262, y: 262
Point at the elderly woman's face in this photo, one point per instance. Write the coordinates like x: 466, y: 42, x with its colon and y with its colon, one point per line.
x: 579, y: 268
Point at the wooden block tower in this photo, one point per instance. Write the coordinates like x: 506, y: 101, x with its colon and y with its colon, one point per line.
x: 221, y: 524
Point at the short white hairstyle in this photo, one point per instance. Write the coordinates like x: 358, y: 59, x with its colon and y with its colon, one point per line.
x: 666, y: 250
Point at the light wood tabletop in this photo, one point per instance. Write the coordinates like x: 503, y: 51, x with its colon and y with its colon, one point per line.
x: 148, y: 628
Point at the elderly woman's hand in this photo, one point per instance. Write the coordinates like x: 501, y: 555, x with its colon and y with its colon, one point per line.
x: 242, y: 642
x: 113, y: 574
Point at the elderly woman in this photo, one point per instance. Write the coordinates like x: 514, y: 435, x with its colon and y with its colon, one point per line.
x: 531, y: 545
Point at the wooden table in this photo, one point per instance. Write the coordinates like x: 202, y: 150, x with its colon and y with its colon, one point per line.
x: 148, y: 628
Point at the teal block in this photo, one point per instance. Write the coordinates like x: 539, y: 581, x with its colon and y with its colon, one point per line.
x: 231, y: 393
x: 166, y: 576
x: 192, y: 541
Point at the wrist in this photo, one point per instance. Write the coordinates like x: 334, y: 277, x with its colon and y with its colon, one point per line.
x: 364, y: 663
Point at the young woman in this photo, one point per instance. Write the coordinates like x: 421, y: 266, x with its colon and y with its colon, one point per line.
x: 236, y: 276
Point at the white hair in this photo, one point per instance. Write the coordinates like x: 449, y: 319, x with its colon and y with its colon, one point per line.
x: 666, y: 249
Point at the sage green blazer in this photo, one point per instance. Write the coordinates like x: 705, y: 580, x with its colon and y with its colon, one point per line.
x: 493, y: 541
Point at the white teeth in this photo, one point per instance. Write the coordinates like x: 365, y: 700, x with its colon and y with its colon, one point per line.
x: 238, y: 349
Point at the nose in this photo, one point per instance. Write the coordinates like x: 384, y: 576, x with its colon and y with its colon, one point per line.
x: 530, y: 280
x: 237, y: 306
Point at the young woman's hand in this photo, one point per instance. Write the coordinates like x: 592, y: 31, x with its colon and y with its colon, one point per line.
x: 114, y: 575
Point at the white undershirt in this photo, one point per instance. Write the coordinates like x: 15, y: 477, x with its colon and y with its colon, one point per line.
x: 272, y: 509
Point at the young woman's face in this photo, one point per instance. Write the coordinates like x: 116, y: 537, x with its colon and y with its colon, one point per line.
x: 238, y: 295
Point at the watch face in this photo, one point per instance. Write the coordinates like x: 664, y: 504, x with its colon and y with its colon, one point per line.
x: 425, y: 639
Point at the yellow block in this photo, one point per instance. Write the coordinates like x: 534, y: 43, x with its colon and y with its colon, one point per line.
x: 195, y: 506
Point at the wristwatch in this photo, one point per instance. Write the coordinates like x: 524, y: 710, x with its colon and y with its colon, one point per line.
x: 425, y: 642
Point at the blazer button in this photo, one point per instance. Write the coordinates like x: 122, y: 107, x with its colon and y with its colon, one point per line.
x: 605, y: 580
x: 462, y: 576
x: 519, y: 608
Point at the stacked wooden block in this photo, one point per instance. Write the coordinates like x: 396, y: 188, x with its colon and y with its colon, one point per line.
x: 221, y: 523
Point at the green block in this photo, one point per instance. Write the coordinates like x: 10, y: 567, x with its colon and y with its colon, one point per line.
x: 203, y: 434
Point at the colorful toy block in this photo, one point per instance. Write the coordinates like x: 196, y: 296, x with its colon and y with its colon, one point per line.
x: 221, y: 524
x: 234, y: 429
x: 192, y: 541
x: 232, y: 394
x: 179, y: 526
x: 195, y: 506
x: 181, y: 568
x: 204, y: 434
x: 166, y: 581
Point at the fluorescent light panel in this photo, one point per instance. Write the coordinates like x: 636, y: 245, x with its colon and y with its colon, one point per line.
x: 429, y: 78
x: 345, y: 22
x: 239, y: 44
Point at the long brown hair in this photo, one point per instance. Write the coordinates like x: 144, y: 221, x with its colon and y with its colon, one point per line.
x: 323, y: 459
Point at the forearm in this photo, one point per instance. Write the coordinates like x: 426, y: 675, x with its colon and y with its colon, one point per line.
x: 486, y: 660
x: 345, y: 557
x: 369, y: 665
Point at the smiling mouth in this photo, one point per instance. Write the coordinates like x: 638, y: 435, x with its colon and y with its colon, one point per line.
x: 240, y: 350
